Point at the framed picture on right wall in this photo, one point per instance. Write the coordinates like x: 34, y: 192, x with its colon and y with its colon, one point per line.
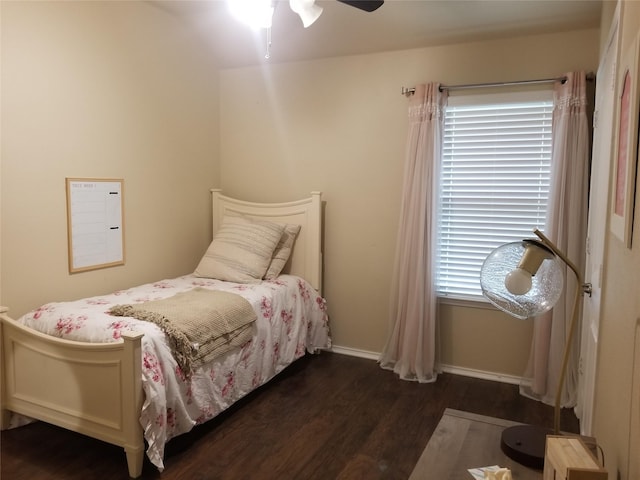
x: 626, y: 144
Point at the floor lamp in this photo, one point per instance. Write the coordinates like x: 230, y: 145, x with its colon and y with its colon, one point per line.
x: 525, y: 279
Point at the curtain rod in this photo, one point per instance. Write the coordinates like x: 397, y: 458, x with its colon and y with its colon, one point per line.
x: 410, y: 91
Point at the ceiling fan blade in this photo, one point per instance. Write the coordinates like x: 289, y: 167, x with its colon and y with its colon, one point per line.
x: 366, y: 5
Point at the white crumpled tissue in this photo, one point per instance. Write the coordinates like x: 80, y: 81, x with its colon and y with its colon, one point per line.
x: 493, y: 472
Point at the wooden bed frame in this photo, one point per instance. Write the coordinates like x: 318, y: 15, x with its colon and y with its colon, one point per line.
x: 96, y: 388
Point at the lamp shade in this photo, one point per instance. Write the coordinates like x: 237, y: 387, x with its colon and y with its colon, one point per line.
x: 523, y: 278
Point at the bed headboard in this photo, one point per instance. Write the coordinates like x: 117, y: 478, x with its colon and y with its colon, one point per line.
x: 306, y: 256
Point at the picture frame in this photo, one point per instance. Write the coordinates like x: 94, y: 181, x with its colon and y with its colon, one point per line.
x: 634, y: 433
x: 95, y: 228
x: 626, y: 144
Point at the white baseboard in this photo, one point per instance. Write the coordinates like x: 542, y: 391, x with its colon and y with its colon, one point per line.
x: 484, y: 375
x: 467, y: 372
x: 353, y: 352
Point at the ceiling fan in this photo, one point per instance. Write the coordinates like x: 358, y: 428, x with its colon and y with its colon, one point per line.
x: 309, y: 11
x: 259, y: 13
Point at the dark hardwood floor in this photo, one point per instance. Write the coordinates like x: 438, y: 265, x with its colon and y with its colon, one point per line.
x: 327, y: 416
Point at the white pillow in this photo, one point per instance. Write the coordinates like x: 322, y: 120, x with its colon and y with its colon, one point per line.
x: 283, y: 251
x: 241, y: 250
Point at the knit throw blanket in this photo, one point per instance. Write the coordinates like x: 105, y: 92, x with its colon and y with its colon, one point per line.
x: 199, y: 324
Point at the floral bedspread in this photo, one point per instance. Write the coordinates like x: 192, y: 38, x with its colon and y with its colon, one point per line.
x: 292, y: 319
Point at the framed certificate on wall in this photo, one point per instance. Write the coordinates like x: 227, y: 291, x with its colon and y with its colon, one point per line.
x: 95, y: 228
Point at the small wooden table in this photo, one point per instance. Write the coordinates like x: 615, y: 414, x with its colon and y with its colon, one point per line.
x: 464, y: 440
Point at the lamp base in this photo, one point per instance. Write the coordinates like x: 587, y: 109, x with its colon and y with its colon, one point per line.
x: 525, y: 444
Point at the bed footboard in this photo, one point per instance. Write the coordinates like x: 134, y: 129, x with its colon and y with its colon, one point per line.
x: 90, y: 388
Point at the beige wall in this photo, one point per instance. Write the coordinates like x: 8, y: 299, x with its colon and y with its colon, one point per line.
x: 339, y: 125
x: 620, y: 312
x: 102, y: 89
x: 125, y: 90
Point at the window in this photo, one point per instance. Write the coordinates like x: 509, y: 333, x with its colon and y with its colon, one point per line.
x: 494, y: 181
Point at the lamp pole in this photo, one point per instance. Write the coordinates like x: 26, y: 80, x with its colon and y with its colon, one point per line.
x: 580, y: 289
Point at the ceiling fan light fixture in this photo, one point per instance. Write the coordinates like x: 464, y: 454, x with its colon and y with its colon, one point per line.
x: 308, y: 11
x: 254, y: 13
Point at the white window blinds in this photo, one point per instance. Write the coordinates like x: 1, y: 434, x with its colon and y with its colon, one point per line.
x: 494, y: 181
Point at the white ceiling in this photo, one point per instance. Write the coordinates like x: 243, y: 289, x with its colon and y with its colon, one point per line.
x: 397, y: 25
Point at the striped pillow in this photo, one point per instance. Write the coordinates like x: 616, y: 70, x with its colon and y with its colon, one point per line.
x: 283, y: 251
x: 241, y: 250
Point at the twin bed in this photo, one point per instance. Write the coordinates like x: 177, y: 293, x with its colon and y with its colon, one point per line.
x: 125, y: 380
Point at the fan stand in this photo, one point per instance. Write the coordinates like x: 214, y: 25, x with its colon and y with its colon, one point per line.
x: 525, y: 444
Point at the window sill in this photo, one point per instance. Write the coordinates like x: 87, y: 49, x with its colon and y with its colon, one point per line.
x: 466, y: 302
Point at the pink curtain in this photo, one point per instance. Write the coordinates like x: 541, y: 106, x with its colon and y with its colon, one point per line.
x: 410, y: 347
x: 567, y: 227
